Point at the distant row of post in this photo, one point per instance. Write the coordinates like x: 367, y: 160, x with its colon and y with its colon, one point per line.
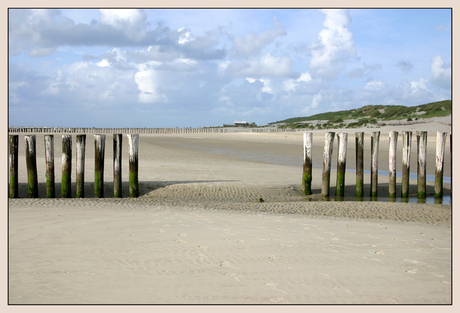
x: 375, y: 137
x: 99, y: 146
x: 88, y: 130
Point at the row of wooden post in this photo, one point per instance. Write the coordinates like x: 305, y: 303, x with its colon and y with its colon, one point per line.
x: 99, y: 146
x: 375, y: 136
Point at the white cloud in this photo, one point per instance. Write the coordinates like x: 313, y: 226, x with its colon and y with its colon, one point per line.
x: 252, y: 44
x: 417, y: 86
x: 267, y: 66
x: 441, y: 73
x: 316, y: 100
x: 304, y: 77
x: 131, y: 21
x: 103, y: 63
x: 374, y: 85
x: 185, y: 36
x: 334, y: 46
x: 289, y: 85
x: 147, y: 81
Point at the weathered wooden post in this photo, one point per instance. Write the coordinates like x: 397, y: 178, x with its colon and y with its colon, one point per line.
x: 359, y: 163
x: 307, y: 162
x: 342, y: 139
x: 407, y: 139
x: 66, y: 186
x: 393, y: 138
x: 99, y: 148
x: 133, y: 140
x: 439, y: 172
x: 49, y: 158
x: 328, y: 146
x: 421, y: 163
x: 375, y: 136
x: 117, y: 144
x: 31, y: 162
x: 13, y: 156
x: 80, y: 180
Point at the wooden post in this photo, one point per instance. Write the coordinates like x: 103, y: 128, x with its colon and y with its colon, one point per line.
x: 421, y: 163
x: 375, y: 136
x: 439, y: 172
x: 393, y: 138
x: 31, y: 161
x: 359, y: 163
x: 66, y: 186
x: 13, y: 156
x: 117, y: 144
x: 49, y: 158
x: 407, y: 139
x: 133, y: 140
x: 80, y: 180
x: 307, y: 162
x: 99, y: 148
x: 342, y: 139
x: 328, y: 146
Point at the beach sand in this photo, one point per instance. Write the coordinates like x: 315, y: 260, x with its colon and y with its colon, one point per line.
x: 199, y: 233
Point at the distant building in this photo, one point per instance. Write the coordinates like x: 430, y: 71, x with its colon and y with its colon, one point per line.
x: 241, y: 124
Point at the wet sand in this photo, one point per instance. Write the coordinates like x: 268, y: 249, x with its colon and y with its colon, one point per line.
x: 200, y: 234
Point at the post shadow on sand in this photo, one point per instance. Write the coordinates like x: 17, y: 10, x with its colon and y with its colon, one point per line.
x: 144, y: 188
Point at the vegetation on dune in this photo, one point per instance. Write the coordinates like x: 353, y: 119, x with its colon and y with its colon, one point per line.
x: 369, y: 115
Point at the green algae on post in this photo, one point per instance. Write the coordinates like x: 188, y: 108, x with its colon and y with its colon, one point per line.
x: 99, y: 148
x: 439, y: 172
x: 31, y: 162
x: 407, y: 139
x: 375, y: 136
x: 133, y: 140
x: 307, y: 163
x: 421, y: 163
x: 359, y: 163
x: 342, y: 139
x: 66, y: 166
x: 49, y: 157
x: 393, y: 138
x: 328, y: 146
x: 13, y: 156
x: 80, y: 180
x: 117, y: 144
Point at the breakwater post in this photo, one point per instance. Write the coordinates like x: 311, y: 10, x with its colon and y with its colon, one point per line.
x: 66, y: 187
x: 342, y: 139
x: 328, y: 146
x: 307, y: 163
x: 99, y: 148
x: 439, y: 172
x: 13, y: 156
x: 80, y: 180
x: 49, y: 158
x: 407, y: 139
x: 133, y: 140
x: 359, y: 139
x: 421, y: 163
x: 375, y: 136
x: 117, y: 144
x: 31, y: 162
x: 393, y: 138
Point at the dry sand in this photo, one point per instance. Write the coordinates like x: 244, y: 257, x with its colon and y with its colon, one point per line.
x: 198, y: 235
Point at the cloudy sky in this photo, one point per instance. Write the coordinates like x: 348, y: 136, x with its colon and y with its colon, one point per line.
x: 207, y: 67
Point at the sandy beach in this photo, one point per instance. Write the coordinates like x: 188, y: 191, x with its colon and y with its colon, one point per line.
x: 199, y: 232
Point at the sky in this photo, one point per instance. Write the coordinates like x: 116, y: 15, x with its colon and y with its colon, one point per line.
x: 209, y: 67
